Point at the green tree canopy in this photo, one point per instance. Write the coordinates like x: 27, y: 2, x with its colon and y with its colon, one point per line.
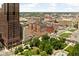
x: 45, y: 37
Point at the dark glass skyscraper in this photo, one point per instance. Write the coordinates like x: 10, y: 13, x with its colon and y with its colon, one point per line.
x: 10, y: 31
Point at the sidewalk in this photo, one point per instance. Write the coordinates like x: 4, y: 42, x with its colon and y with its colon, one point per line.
x: 6, y: 52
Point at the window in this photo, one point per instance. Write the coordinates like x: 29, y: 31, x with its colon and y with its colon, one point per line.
x: 0, y: 35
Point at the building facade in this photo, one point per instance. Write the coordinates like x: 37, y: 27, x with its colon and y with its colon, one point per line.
x: 9, y: 25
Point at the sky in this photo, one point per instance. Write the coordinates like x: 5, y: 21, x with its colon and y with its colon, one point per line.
x: 48, y: 7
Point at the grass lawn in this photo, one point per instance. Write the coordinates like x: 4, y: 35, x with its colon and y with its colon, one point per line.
x: 65, y: 34
x: 69, y: 49
x: 72, y: 30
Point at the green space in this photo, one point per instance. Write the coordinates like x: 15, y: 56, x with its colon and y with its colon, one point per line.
x: 42, y: 47
x: 73, y: 51
x: 72, y: 29
x: 66, y: 34
x: 46, y: 45
x: 69, y: 49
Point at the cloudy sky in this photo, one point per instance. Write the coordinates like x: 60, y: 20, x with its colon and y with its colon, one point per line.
x: 48, y: 7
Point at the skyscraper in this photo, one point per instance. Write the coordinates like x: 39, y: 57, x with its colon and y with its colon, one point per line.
x: 10, y: 31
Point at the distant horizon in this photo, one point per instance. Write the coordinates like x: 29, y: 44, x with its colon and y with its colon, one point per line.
x: 52, y: 12
x: 48, y: 7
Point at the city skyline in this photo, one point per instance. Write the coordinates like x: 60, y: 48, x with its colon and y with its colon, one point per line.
x: 41, y: 29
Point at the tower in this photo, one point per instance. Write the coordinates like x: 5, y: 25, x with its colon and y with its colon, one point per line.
x: 11, y: 34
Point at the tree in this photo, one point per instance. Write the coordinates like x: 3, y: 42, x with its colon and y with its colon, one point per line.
x: 45, y: 37
x: 48, y: 48
x: 58, y: 45
x: 52, y: 40
x: 20, y: 49
x: 35, y: 42
x: 35, y: 51
x: 31, y: 44
x: 42, y: 45
x: 62, y: 39
x: 27, y: 52
x: 43, y: 53
x: 16, y: 50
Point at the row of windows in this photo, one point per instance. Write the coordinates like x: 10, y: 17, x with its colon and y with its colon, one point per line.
x: 14, y: 30
x: 9, y: 9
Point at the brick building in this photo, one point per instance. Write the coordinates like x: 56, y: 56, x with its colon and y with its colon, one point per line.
x: 9, y: 25
x: 34, y: 27
x: 37, y: 27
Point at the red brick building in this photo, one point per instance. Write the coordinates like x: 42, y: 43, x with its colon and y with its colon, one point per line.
x: 50, y: 29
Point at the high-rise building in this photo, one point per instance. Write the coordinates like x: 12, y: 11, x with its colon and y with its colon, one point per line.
x: 10, y: 25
